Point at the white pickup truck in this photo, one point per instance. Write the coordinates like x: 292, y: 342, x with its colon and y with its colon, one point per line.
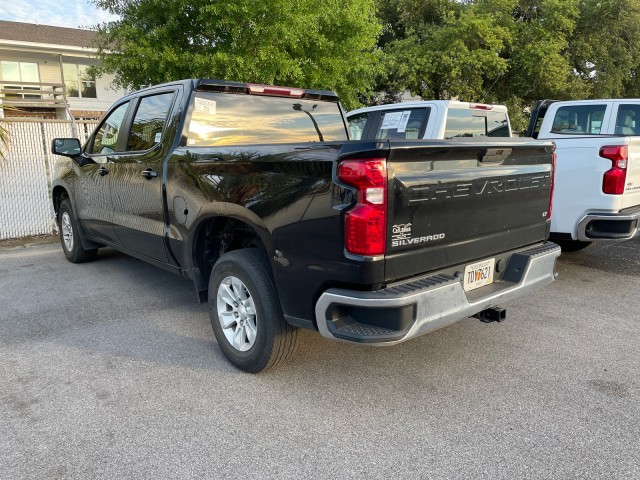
x: 435, y: 119
x: 597, y: 179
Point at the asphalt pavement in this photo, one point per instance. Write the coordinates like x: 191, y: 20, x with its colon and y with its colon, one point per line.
x: 110, y: 370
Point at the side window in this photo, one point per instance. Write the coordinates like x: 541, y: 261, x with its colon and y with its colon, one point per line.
x: 402, y: 123
x: 579, y: 120
x: 106, y: 138
x: 356, y: 125
x: 462, y: 123
x: 628, y: 120
x: 149, y: 120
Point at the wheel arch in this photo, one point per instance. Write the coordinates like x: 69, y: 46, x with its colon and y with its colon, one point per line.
x: 215, y: 234
x: 58, y: 194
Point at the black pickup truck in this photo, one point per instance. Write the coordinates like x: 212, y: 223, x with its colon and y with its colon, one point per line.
x: 257, y: 195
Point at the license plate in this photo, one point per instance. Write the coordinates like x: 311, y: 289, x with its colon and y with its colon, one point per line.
x: 479, y: 274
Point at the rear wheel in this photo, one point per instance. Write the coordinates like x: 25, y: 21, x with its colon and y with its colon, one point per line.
x: 245, y: 312
x: 70, y: 236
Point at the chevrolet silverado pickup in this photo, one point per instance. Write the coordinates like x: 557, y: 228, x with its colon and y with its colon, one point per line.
x: 597, y: 189
x: 257, y: 195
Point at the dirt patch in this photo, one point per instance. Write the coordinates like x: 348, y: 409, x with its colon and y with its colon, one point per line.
x: 28, y: 241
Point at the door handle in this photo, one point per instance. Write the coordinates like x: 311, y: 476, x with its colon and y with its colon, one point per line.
x: 149, y: 173
x: 103, y: 171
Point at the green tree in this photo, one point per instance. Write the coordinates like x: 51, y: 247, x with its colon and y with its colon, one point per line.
x: 299, y: 44
x: 497, y: 51
x: 539, y: 61
x: 606, y: 47
x: 511, y: 51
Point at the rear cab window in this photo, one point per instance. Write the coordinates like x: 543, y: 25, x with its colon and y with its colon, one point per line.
x: 470, y: 122
x: 579, y: 120
x: 222, y: 119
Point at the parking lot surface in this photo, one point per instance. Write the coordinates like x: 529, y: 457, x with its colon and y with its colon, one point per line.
x: 110, y: 370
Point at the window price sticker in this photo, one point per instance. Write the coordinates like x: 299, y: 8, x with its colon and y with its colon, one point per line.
x: 404, y: 119
x: 208, y: 107
x: 391, y: 120
x: 396, y: 120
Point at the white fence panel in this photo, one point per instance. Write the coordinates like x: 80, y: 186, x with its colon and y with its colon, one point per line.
x: 25, y: 199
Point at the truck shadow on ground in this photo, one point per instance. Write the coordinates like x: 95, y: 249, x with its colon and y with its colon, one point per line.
x: 156, y: 318
x: 613, y: 257
x: 123, y: 324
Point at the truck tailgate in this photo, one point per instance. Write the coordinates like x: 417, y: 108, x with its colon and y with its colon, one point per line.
x: 631, y: 195
x: 463, y: 201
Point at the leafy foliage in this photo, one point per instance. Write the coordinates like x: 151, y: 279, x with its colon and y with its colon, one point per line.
x: 511, y: 51
x: 495, y: 51
x: 4, y: 134
x: 296, y: 44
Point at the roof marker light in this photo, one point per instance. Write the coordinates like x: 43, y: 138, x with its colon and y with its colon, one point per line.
x: 272, y: 90
x: 480, y: 106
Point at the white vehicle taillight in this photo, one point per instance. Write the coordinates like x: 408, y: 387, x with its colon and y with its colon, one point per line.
x: 614, y: 179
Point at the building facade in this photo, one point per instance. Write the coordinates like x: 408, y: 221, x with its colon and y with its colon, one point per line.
x: 45, y: 72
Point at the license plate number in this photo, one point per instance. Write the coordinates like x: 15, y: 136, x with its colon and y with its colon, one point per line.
x: 479, y: 274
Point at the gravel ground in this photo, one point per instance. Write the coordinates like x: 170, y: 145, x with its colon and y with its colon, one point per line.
x: 110, y: 370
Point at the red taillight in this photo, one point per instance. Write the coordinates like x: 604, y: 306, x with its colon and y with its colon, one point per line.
x: 365, y: 225
x: 279, y: 91
x: 614, y: 179
x: 553, y: 183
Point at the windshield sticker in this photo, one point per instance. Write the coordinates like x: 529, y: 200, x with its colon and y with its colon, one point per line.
x: 404, y: 119
x: 208, y: 107
x: 391, y: 120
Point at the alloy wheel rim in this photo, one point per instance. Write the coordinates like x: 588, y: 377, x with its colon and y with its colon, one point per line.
x: 237, y: 313
x: 67, y: 231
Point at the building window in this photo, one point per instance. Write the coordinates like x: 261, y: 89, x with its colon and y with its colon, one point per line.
x: 19, y: 72
x: 79, y: 80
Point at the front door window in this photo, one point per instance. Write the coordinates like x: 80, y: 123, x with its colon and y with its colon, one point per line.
x: 105, y: 141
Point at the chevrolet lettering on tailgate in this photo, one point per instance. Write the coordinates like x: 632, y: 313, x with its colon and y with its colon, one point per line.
x: 421, y: 193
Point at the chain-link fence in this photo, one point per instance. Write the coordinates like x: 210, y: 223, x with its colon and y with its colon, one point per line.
x: 25, y: 174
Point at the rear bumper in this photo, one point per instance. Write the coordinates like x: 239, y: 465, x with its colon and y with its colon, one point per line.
x: 406, y: 310
x: 623, y: 225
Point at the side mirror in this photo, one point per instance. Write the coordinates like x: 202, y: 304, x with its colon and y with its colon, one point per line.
x: 67, y: 147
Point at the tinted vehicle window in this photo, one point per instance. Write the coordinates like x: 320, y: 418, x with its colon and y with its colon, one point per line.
x: 148, y: 122
x: 628, y: 120
x: 356, y: 125
x: 579, y: 120
x: 106, y: 138
x: 402, y: 123
x: 230, y: 119
x: 476, y: 123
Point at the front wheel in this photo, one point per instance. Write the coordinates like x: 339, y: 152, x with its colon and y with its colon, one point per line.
x: 70, y: 236
x: 245, y: 312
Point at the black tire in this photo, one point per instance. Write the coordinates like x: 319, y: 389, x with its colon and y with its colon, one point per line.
x: 70, y: 236
x: 571, y: 245
x: 274, y: 340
